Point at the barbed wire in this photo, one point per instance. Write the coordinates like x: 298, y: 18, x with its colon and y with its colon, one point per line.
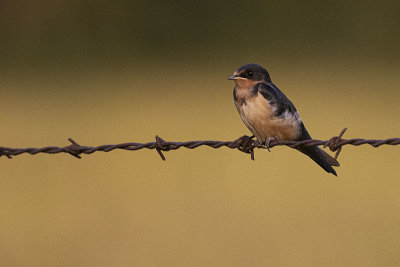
x: 244, y: 144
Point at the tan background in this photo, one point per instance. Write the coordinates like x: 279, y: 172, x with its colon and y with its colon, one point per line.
x: 111, y: 72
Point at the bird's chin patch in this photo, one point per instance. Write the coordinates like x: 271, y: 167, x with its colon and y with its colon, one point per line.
x: 243, y: 83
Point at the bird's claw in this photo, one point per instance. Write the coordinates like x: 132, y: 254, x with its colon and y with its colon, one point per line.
x: 257, y: 143
x: 267, y: 142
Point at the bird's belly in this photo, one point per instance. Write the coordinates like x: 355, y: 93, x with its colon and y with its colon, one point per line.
x: 259, y: 117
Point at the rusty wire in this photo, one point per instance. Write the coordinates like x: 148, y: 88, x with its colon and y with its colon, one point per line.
x: 245, y: 144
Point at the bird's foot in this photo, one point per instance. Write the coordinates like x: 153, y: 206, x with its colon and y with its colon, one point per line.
x: 267, y: 142
x: 257, y: 143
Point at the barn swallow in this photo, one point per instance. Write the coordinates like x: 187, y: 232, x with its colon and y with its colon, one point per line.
x: 269, y: 114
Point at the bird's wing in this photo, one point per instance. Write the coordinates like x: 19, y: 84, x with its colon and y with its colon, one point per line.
x: 276, y: 99
x: 282, y: 104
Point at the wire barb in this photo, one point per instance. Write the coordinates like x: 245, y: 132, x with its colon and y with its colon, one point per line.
x: 74, y: 149
x: 159, y: 146
x: 334, y: 143
x: 245, y: 144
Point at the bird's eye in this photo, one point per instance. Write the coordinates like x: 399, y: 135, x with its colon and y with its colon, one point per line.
x: 250, y: 73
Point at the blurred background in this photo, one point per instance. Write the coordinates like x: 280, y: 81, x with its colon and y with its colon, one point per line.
x: 106, y: 72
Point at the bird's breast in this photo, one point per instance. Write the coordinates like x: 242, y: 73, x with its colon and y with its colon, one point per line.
x: 258, y: 115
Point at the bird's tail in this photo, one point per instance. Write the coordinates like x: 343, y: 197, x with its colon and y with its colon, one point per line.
x: 322, y: 158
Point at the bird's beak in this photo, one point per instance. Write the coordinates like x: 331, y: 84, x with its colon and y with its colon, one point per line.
x: 233, y: 77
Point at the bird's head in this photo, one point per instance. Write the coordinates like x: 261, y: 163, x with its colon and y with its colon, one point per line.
x: 249, y: 74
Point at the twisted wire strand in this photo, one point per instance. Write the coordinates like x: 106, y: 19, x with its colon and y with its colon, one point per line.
x: 244, y: 144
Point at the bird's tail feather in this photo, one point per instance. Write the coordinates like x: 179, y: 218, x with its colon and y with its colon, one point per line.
x: 332, y: 161
x: 322, y: 158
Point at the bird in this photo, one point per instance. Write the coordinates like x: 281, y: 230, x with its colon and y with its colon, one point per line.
x: 270, y: 115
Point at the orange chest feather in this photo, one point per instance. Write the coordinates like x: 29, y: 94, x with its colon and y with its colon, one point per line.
x: 258, y: 115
